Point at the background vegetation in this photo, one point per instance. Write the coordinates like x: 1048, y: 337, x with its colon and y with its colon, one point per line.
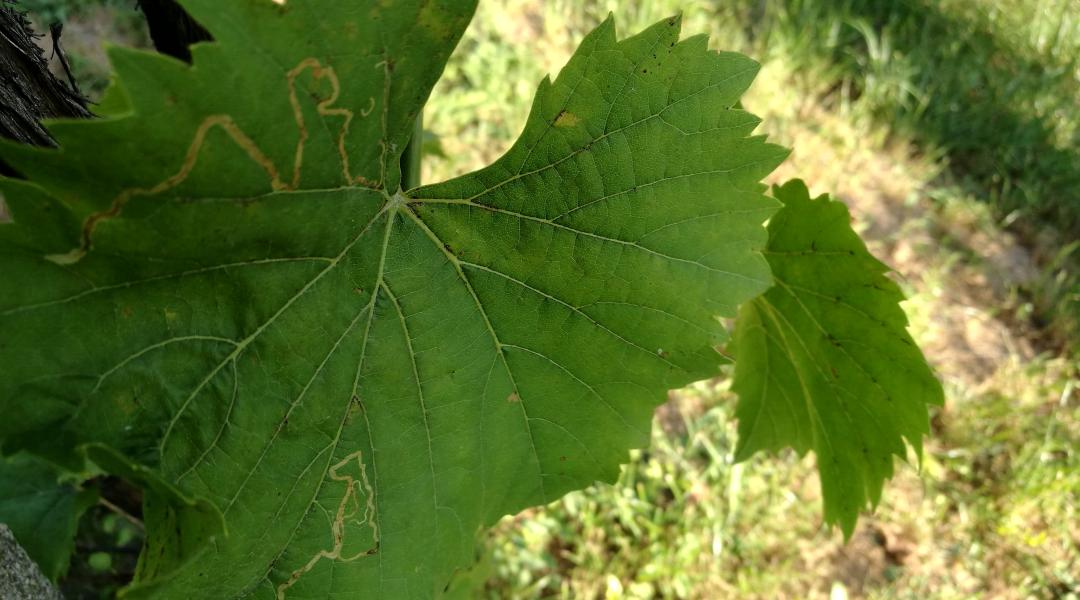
x: 951, y: 128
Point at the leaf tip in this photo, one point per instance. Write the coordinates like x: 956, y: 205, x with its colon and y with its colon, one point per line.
x: 606, y: 28
x: 791, y: 190
x: 742, y: 450
x: 846, y: 524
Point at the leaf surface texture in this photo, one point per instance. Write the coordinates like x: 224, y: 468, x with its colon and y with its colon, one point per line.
x: 223, y: 283
x: 824, y: 361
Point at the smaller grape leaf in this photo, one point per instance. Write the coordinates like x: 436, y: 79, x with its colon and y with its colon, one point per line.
x: 824, y: 361
x: 41, y: 511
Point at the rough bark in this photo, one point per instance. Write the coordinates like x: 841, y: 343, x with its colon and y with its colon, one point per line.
x: 20, y: 578
x: 28, y: 90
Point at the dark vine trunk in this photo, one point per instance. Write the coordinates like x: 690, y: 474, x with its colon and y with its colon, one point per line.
x: 29, y: 92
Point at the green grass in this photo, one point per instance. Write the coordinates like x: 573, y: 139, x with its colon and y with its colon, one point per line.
x: 994, y: 89
x: 987, y: 95
x: 952, y: 120
x: 993, y: 513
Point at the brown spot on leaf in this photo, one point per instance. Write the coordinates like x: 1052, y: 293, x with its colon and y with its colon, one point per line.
x: 566, y: 119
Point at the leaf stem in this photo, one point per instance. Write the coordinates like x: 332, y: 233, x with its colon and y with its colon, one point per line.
x: 410, y: 159
x: 123, y: 513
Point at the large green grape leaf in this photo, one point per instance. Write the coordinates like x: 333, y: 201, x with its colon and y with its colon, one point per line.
x: 223, y: 283
x: 41, y: 511
x: 824, y: 361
